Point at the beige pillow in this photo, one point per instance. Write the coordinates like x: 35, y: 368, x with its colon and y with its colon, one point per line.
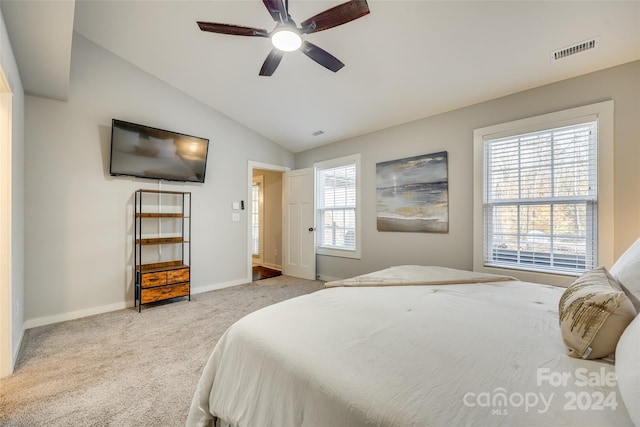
x: 593, y: 315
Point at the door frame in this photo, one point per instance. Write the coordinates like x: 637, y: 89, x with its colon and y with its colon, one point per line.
x: 6, y: 241
x: 251, y: 166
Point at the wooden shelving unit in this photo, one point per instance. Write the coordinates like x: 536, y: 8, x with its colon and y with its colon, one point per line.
x: 162, y: 258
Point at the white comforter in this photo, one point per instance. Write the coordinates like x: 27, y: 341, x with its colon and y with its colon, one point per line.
x: 437, y: 355
x: 418, y: 275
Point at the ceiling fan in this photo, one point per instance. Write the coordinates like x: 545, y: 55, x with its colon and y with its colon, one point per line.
x: 286, y: 35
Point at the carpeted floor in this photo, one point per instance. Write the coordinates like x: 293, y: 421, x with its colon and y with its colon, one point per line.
x: 128, y: 369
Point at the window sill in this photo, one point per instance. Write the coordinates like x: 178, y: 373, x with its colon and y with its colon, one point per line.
x: 338, y: 253
x: 554, y: 279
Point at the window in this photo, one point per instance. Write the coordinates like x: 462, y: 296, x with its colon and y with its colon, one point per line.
x: 337, y: 205
x: 541, y: 194
x: 256, y: 216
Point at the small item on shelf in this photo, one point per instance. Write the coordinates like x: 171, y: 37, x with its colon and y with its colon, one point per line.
x: 162, y: 263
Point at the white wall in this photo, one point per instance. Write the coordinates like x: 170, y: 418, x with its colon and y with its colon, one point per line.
x: 10, y: 68
x: 453, y: 132
x: 79, y: 219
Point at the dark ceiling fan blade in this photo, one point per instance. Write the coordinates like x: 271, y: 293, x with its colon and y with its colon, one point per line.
x: 321, y: 56
x: 234, y: 30
x: 277, y: 10
x: 271, y: 63
x: 335, y: 16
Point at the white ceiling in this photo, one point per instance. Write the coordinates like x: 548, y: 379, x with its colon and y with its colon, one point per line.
x: 404, y: 61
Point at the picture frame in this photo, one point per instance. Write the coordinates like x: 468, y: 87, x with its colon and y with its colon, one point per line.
x: 413, y: 194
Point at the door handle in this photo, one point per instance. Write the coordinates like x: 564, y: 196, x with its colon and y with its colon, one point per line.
x: 312, y: 229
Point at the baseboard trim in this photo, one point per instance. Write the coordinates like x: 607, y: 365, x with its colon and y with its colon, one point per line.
x: 215, y: 286
x: 326, y: 278
x: 16, y: 349
x: 272, y: 266
x: 62, y: 317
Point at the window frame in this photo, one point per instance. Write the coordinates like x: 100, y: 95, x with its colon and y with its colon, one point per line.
x: 336, y: 163
x: 602, y: 112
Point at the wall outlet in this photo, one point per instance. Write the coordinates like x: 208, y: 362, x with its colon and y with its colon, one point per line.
x: 235, y: 217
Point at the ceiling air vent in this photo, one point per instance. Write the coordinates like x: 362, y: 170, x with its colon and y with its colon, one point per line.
x: 576, y: 48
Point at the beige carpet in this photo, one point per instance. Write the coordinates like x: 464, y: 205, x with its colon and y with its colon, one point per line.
x: 128, y: 369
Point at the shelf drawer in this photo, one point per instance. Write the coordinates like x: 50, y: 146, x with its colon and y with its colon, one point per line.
x: 150, y: 280
x: 164, y: 292
x: 178, y: 276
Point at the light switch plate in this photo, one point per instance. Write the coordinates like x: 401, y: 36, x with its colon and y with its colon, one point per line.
x: 236, y: 205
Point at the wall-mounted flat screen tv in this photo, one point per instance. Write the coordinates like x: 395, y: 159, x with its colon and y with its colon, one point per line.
x: 147, y: 152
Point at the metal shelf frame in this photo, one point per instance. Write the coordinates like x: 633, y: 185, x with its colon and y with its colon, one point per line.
x: 184, y: 240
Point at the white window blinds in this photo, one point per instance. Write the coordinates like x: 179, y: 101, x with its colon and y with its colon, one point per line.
x: 336, y: 207
x: 541, y: 198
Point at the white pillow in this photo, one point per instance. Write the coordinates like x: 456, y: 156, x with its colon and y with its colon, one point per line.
x: 627, y: 271
x: 628, y: 369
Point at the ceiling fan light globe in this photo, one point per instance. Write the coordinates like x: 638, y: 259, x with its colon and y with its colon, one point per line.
x: 286, y: 40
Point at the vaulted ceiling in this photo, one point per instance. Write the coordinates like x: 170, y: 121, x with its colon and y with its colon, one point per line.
x: 404, y: 61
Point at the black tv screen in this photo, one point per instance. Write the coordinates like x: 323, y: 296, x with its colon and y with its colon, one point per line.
x: 147, y: 152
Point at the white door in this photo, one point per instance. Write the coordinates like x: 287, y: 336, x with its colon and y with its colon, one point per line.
x: 298, y: 224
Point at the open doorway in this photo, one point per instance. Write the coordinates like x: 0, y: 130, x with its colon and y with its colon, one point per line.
x: 266, y: 224
x: 265, y: 220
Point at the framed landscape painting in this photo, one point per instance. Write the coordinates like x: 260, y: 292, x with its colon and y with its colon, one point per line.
x: 413, y: 194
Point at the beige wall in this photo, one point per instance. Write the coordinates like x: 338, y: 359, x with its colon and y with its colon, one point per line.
x: 272, y: 206
x: 453, y: 132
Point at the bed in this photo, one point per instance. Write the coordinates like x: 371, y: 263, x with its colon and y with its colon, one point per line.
x: 410, y: 346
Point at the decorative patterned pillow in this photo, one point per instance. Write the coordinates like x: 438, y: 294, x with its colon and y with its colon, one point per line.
x: 594, y: 313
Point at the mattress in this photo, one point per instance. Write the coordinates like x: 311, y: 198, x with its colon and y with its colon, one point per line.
x: 487, y: 353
